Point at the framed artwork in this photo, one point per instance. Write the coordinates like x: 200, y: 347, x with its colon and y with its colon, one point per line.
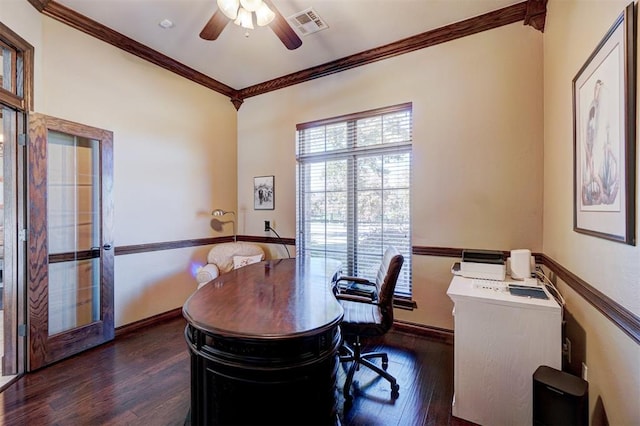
x: 604, y: 130
x: 263, y: 193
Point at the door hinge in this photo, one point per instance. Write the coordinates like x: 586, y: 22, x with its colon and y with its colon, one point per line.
x: 22, y: 330
x: 22, y: 235
x: 22, y: 139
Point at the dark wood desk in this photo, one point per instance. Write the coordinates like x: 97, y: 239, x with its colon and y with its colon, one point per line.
x: 264, y: 341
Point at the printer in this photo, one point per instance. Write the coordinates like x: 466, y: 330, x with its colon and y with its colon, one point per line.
x: 483, y: 264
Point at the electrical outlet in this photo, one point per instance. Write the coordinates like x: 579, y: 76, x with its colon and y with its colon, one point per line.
x: 267, y: 225
x: 566, y: 349
x: 585, y: 370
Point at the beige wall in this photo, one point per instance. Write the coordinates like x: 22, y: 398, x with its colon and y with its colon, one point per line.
x: 573, y: 30
x: 483, y: 106
x: 174, y: 152
x: 477, y: 150
x: 24, y: 20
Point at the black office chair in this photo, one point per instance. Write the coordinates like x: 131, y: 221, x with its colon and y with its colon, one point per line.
x: 368, y: 315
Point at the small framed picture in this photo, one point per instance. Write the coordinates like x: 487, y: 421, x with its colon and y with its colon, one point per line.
x: 263, y: 193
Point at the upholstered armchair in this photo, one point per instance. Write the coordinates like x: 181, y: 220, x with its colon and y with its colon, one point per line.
x: 224, y: 257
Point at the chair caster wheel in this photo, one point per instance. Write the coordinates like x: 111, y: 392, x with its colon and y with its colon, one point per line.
x: 348, y: 402
x: 395, y: 390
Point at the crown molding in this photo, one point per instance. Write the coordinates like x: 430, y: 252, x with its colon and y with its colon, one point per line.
x: 536, y: 14
x: 467, y: 27
x: 106, y: 34
x: 532, y: 12
x: 39, y: 4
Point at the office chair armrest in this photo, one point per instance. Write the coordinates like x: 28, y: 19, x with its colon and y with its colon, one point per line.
x: 354, y: 279
x: 355, y: 298
x: 366, y: 292
x: 355, y: 285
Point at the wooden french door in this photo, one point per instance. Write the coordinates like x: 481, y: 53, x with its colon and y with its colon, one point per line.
x: 69, y: 239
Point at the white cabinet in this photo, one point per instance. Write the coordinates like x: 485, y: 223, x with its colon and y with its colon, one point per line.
x: 499, y: 342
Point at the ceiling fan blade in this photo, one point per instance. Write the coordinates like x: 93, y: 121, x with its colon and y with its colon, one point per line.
x: 283, y: 30
x: 214, y: 27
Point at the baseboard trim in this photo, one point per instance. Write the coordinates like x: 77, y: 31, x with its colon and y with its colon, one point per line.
x: 146, y: 322
x: 433, y: 333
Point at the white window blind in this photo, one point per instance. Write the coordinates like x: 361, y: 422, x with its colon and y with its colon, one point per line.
x: 354, y: 190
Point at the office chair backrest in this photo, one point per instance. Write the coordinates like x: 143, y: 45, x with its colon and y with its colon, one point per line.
x: 386, y: 280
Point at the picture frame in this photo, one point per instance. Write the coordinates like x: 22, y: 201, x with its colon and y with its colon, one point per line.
x: 263, y: 193
x: 604, y: 130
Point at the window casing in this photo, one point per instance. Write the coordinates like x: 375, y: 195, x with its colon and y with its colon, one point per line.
x: 354, y: 190
x: 16, y: 70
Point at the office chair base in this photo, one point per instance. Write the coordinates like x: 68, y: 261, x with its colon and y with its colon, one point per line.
x: 356, y: 357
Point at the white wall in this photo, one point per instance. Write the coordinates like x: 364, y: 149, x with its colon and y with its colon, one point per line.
x: 174, y: 151
x: 477, y: 152
x: 573, y: 30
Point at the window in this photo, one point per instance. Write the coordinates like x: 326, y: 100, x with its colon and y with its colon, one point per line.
x: 16, y: 70
x: 354, y: 190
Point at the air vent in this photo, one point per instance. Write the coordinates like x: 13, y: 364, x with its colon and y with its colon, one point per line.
x: 307, y: 22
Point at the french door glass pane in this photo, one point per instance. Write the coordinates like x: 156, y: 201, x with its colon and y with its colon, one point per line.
x: 73, y: 294
x: 73, y: 216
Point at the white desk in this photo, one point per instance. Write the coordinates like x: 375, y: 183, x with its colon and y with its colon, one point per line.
x: 499, y: 342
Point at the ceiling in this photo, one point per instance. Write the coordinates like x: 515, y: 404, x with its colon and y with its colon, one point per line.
x: 239, y: 61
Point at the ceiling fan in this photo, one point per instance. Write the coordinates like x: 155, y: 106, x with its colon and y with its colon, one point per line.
x: 241, y: 13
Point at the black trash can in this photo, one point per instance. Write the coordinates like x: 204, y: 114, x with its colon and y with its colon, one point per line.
x: 559, y: 398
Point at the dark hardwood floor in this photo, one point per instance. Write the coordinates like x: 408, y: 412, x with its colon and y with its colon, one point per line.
x: 142, y: 378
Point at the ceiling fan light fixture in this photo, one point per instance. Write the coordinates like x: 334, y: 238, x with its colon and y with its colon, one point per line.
x: 245, y: 19
x: 229, y: 8
x: 264, y: 15
x: 251, y: 5
x: 237, y: 11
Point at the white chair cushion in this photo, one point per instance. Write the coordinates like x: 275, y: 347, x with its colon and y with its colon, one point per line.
x: 206, y: 273
x: 222, y: 254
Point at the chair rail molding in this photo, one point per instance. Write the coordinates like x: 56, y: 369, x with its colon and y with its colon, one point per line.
x: 624, y: 319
